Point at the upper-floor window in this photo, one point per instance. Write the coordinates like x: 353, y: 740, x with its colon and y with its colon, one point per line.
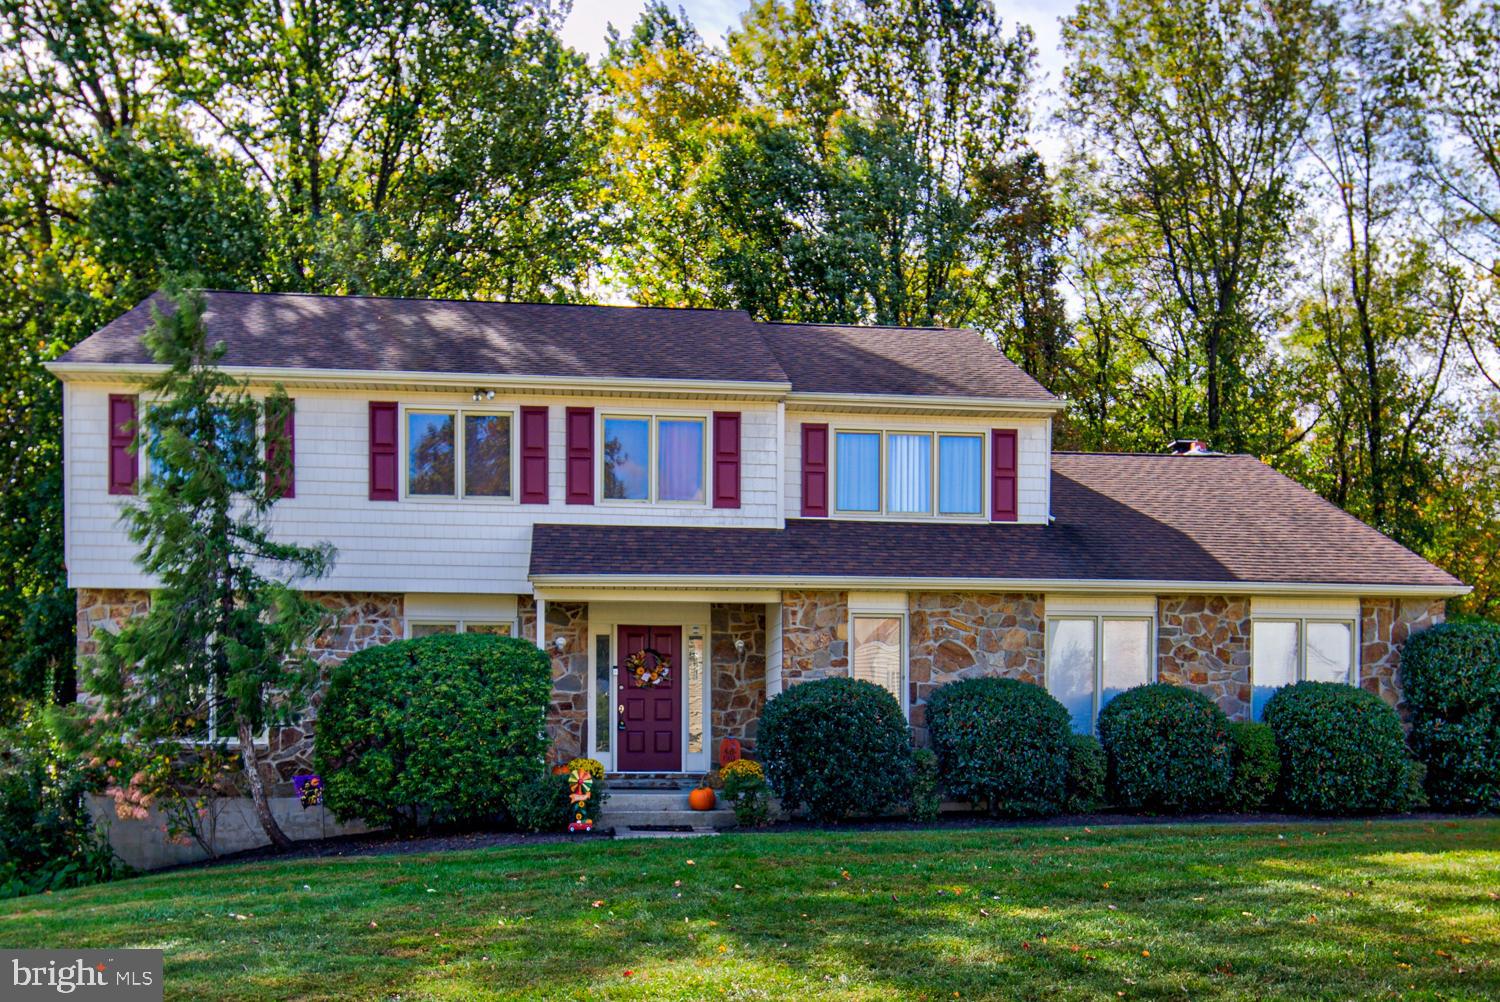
x: 654, y: 458
x: 233, y: 439
x: 441, y: 462
x: 909, y: 473
x: 1296, y: 649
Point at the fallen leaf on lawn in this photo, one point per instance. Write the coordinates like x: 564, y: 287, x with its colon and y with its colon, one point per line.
x: 1444, y: 953
x: 629, y: 973
x: 1145, y: 953
x: 738, y: 887
x: 984, y: 913
x: 1112, y: 908
x: 238, y: 917
x: 1313, y: 919
x: 373, y: 925
x: 599, y: 904
x: 690, y: 863
x: 723, y: 948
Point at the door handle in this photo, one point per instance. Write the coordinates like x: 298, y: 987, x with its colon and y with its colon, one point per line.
x: 621, y: 716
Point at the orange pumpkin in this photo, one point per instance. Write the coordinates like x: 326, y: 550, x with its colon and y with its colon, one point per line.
x: 702, y: 799
x: 559, y: 770
x: 729, y: 751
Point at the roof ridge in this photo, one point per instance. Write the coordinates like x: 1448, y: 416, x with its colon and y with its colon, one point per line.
x: 864, y: 327
x: 1159, y: 455
x: 472, y: 302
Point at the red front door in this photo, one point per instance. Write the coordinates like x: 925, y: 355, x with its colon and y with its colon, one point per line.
x: 650, y: 724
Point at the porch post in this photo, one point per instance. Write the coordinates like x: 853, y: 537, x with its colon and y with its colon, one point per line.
x: 773, y: 649
x: 541, y: 622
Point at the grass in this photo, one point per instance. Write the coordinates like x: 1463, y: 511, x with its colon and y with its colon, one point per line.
x: 1318, y: 911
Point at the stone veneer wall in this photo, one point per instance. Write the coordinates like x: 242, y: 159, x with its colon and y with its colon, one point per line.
x: 814, y: 635
x: 1203, y: 643
x: 358, y: 620
x: 739, y: 680
x: 958, y: 635
x: 568, y: 713
x: 1384, y: 625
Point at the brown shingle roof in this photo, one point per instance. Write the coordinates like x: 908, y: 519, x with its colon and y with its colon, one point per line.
x: 374, y: 334
x: 1212, y: 519
x: 828, y: 358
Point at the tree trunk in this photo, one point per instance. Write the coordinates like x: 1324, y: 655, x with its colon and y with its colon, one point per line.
x: 258, y: 789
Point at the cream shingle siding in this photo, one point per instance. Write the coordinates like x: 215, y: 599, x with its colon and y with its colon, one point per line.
x: 1033, y: 439
x: 425, y: 545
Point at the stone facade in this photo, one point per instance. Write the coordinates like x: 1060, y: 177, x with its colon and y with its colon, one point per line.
x: 814, y: 635
x: 568, y: 713
x: 739, y: 678
x: 1203, y: 643
x: 106, y: 609
x: 1384, y: 625
x: 958, y: 635
x: 357, y: 620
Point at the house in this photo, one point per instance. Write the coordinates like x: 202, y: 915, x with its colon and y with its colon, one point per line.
x: 751, y: 504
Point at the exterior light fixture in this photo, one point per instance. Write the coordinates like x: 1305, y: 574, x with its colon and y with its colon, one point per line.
x: 739, y: 645
x: 483, y: 395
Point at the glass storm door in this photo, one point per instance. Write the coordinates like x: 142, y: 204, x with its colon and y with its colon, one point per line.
x: 650, y: 714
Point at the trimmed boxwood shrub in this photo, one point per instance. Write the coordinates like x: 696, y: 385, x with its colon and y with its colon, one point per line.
x: 926, y: 788
x: 836, y: 746
x: 1342, y: 750
x: 1451, y: 677
x: 1168, y: 749
x: 1256, y: 766
x: 441, y: 729
x: 1001, y: 741
x: 1087, y: 771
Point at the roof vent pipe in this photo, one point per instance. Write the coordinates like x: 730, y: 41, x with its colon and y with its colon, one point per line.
x: 1190, y: 447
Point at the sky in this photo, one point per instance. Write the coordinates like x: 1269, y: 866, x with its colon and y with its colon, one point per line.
x: 585, y: 27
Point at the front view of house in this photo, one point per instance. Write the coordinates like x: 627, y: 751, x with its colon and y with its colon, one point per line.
x: 691, y: 511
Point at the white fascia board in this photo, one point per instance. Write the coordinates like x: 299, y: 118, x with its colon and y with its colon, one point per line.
x: 551, y: 582
x: 891, y: 401
x: 444, y: 380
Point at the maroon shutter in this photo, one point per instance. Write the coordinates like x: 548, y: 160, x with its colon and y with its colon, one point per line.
x: 726, y: 459
x: 384, y: 467
x: 814, y: 471
x: 123, y: 461
x: 281, y: 474
x: 1003, y: 475
x: 533, y: 455
x: 580, y: 435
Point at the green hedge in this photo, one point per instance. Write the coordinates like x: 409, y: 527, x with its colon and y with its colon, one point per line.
x: 446, y: 728
x: 1256, y: 764
x: 1342, y: 750
x: 1168, y: 749
x: 1088, y: 772
x: 836, y: 746
x: 1451, y: 677
x: 1001, y: 741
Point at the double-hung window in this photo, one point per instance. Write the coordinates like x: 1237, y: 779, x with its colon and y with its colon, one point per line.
x: 1092, y: 659
x: 654, y: 458
x: 458, y: 452
x: 1295, y: 649
x: 908, y: 473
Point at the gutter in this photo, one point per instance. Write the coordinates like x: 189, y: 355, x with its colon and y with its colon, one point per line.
x: 1111, y: 585
x: 297, y: 376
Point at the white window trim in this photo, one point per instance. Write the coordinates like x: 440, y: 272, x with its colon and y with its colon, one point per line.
x: 1301, y: 622
x: 653, y: 419
x: 876, y: 612
x: 458, y: 411
x: 1153, y: 654
x: 933, y: 435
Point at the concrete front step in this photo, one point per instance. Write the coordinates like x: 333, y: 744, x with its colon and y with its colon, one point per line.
x: 612, y: 818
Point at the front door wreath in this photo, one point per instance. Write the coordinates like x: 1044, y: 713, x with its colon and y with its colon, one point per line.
x: 648, y: 668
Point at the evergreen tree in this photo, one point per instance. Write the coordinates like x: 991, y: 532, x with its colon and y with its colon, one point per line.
x: 224, y: 645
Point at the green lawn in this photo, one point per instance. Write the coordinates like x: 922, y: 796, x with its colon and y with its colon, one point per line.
x: 1328, y: 911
